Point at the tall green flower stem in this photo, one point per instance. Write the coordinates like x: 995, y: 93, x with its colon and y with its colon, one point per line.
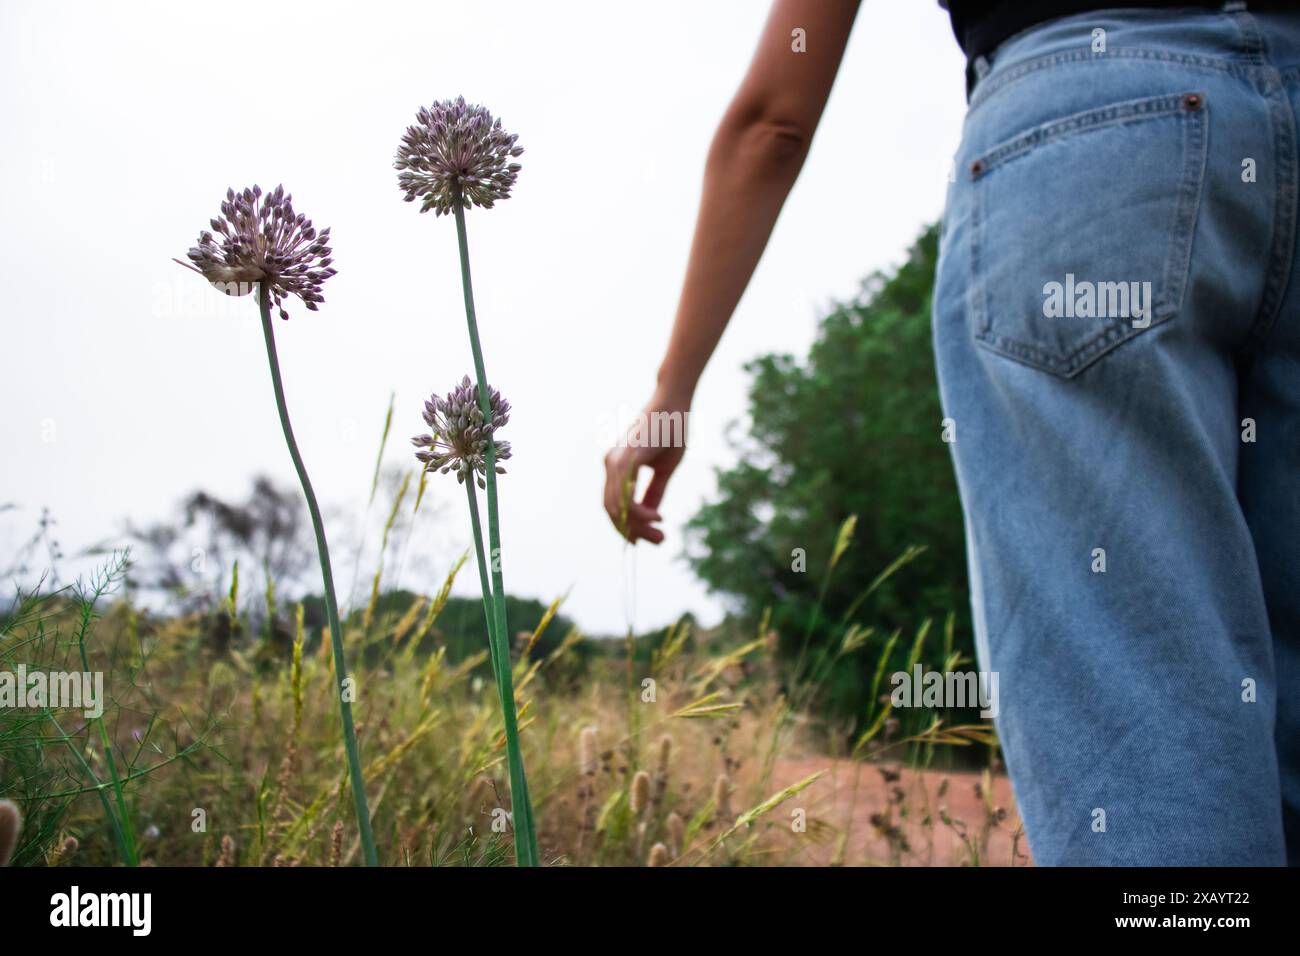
x: 526, y: 853
x: 331, y: 603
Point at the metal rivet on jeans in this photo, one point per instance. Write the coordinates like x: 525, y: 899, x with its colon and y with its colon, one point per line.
x: 1193, y: 101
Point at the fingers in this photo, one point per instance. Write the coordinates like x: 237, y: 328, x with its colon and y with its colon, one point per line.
x: 645, y: 532
x: 638, y: 513
x: 654, y: 492
x: 641, y: 524
x: 633, y: 520
x: 615, y: 473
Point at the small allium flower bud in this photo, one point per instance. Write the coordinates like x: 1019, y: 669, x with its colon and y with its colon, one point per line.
x: 456, y: 147
x: 264, y: 240
x: 460, y: 436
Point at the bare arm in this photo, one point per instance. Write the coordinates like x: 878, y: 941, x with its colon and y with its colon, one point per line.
x: 755, y: 157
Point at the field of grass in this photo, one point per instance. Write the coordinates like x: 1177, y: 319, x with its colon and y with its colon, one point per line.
x: 220, y: 745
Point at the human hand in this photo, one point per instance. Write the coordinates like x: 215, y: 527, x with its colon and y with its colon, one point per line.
x: 657, y: 440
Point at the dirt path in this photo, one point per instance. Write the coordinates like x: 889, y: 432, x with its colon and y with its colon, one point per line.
x: 895, y: 815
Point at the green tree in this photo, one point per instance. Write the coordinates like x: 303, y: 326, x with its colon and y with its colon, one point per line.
x: 853, y: 430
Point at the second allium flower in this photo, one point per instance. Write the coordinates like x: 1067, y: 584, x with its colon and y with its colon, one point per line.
x: 460, y: 435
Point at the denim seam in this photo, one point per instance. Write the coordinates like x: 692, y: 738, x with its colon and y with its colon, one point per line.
x: 979, y: 310
x: 1177, y: 259
x: 995, y: 81
x: 1187, y: 211
x: 1284, y: 213
x: 1093, y: 119
x: 1248, y: 32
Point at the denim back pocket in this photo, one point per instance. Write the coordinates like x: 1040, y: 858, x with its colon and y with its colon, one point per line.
x: 1082, y: 230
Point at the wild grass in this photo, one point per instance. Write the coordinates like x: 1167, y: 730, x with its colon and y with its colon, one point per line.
x: 227, y: 753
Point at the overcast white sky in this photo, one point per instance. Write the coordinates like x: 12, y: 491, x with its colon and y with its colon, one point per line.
x: 128, y: 382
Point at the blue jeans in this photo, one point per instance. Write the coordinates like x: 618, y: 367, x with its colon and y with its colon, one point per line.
x: 1117, y: 334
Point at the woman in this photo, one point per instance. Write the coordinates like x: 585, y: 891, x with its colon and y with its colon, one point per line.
x: 1117, y: 337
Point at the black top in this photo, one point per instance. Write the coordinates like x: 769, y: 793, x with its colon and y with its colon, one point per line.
x: 980, y: 25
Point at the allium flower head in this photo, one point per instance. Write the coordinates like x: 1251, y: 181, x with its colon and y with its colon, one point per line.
x: 453, y: 145
x: 263, y: 240
x: 459, y: 439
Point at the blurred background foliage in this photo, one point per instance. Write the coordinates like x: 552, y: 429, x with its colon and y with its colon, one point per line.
x: 853, y: 429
